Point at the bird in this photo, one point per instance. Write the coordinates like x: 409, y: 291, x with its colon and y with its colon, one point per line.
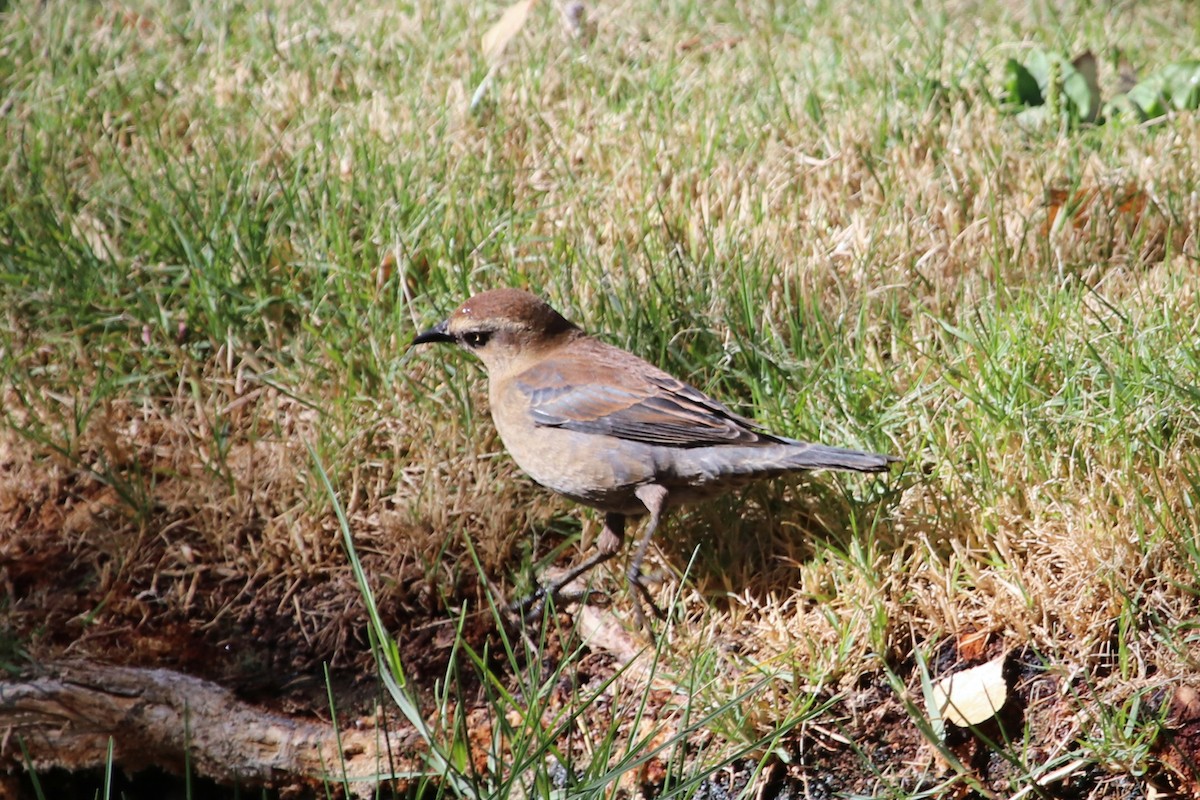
x: 607, y: 429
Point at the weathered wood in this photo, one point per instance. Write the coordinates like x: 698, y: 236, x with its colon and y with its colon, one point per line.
x: 158, y: 717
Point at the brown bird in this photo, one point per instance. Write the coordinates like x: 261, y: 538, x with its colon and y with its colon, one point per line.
x: 601, y: 426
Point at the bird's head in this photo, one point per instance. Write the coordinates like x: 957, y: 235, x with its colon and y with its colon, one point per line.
x: 502, y: 327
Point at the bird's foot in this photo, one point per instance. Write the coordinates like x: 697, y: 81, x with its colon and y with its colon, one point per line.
x: 638, y: 582
x: 533, y: 607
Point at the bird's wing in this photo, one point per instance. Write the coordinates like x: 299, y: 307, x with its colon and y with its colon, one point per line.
x: 620, y: 395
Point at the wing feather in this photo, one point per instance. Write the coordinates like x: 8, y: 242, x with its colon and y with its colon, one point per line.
x: 633, y: 401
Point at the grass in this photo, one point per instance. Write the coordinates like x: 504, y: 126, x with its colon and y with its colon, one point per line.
x: 221, y: 227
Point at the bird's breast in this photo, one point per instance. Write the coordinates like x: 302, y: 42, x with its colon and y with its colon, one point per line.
x: 599, y: 471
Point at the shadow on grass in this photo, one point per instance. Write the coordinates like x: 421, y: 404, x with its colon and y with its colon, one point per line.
x: 754, y: 541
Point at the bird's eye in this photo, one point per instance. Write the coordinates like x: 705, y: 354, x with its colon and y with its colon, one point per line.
x: 475, y: 339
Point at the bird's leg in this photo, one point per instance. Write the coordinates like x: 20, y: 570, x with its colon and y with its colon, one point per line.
x: 607, y: 546
x: 654, y: 497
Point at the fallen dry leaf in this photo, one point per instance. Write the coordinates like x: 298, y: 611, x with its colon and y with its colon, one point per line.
x: 972, y: 696
x: 509, y: 25
x: 972, y: 645
x: 1126, y: 203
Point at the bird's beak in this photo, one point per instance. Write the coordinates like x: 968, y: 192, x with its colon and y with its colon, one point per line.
x: 437, y: 333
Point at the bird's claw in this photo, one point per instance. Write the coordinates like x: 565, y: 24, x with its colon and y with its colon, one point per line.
x: 532, y: 607
x: 642, y: 597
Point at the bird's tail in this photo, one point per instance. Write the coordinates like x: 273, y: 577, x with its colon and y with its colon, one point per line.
x: 720, y: 466
x: 803, y: 455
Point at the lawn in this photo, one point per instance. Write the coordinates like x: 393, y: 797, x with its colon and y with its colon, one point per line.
x: 222, y: 225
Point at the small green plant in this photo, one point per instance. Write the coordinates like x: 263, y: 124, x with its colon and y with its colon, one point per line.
x: 1122, y: 737
x: 1048, y: 86
x: 1175, y: 87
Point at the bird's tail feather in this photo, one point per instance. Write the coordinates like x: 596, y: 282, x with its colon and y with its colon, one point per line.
x: 718, y: 465
x: 802, y: 455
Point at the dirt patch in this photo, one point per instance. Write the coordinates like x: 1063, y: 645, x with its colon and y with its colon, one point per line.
x: 192, y: 580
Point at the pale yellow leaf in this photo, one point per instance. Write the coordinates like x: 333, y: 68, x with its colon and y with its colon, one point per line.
x: 973, y: 695
x: 509, y: 25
